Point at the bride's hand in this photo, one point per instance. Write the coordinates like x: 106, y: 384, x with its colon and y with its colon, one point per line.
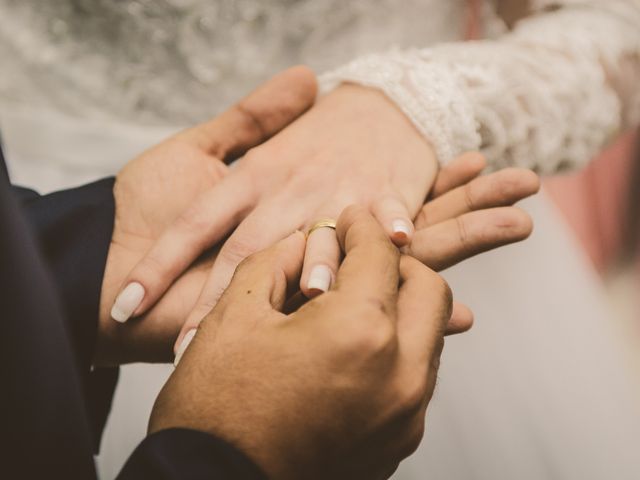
x: 471, y: 214
x: 467, y: 216
x: 156, y: 187
x: 353, y: 147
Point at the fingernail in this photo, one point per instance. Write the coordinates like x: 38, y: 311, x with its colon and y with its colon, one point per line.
x: 183, y: 346
x: 401, y: 226
x: 319, y: 278
x: 127, y: 302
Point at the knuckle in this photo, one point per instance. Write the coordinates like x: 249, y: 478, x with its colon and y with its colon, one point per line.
x: 422, y: 219
x: 444, y: 291
x: 441, y: 286
x: 249, y: 120
x: 469, y: 196
x: 411, y: 393
x: 441, y: 290
x: 507, y: 184
x: 413, y: 440
x: 463, y: 235
x: 414, y: 266
x: 431, y: 279
x: 372, y: 333
x: 150, y: 268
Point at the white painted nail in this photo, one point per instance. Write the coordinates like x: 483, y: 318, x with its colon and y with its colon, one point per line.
x: 127, y: 302
x: 319, y: 278
x: 183, y: 346
x: 400, y: 226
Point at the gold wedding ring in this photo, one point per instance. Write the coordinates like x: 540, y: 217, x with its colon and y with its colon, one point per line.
x: 322, y: 223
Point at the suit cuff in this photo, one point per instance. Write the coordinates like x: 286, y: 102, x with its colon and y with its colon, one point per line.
x: 184, y: 454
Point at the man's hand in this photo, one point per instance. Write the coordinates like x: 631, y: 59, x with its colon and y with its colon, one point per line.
x: 354, y: 146
x: 153, y: 190
x: 468, y: 215
x: 338, y: 389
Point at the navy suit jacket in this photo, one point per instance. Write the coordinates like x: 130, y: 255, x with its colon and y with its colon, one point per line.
x: 53, y: 406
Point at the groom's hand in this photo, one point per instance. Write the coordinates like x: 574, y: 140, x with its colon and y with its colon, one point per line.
x: 319, y: 393
x: 467, y: 216
x: 154, y: 189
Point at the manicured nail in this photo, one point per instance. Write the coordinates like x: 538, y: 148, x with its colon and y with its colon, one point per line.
x: 127, y: 302
x: 401, y: 226
x: 183, y: 346
x: 319, y: 278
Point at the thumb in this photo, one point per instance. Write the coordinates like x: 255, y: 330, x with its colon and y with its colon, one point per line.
x: 257, y: 117
x: 260, y: 284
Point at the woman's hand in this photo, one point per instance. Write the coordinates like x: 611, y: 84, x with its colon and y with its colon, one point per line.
x: 353, y: 147
x: 467, y: 215
x: 155, y: 188
x: 471, y: 214
x: 168, y: 171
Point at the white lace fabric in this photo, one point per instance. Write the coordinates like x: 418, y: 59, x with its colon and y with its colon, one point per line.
x: 177, y: 62
x: 548, y: 95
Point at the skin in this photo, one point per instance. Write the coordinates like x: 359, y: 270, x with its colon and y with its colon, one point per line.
x: 353, y: 146
x: 354, y: 134
x: 154, y: 190
x: 365, y: 355
x: 478, y: 206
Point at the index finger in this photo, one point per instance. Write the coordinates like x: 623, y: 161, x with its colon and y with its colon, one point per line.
x: 371, y: 266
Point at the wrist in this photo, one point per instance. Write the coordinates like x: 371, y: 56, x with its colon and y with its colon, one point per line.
x: 380, y: 113
x: 427, y: 88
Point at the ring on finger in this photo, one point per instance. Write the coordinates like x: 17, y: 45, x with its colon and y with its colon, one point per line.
x: 322, y: 223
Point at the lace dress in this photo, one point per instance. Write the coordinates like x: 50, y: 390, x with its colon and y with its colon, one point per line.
x: 539, y: 388
x: 548, y: 95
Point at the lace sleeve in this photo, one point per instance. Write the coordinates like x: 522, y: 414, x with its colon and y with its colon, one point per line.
x: 547, y: 95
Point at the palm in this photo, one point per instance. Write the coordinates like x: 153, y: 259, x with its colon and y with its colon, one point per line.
x: 157, y: 186
x: 150, y: 193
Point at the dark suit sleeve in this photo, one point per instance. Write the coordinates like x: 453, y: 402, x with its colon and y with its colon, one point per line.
x: 181, y: 454
x: 51, y: 279
x: 42, y: 409
x: 72, y: 229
